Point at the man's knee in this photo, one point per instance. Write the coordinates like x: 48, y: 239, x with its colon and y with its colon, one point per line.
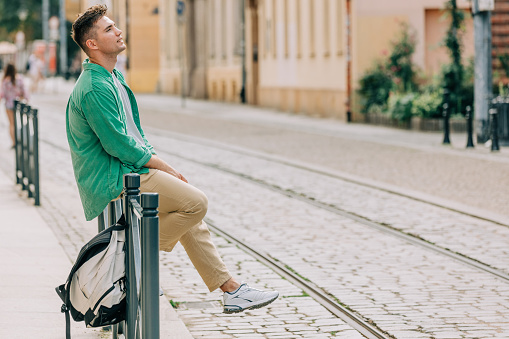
x: 201, y: 204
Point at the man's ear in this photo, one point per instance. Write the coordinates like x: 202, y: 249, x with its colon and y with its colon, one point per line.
x: 90, y: 43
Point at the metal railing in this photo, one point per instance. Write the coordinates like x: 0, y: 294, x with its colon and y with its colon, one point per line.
x: 142, y: 259
x: 26, y: 136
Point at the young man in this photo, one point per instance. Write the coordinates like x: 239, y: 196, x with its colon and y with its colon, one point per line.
x: 106, y: 141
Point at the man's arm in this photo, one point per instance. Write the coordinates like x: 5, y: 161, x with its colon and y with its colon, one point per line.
x: 158, y: 163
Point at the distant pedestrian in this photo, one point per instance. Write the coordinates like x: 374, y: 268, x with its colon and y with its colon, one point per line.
x: 13, y: 88
x: 36, y: 71
x: 106, y: 141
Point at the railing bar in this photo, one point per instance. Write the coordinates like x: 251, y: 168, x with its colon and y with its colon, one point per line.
x: 137, y: 209
x: 135, y: 229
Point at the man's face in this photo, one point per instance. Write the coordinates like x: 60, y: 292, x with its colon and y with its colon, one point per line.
x: 108, y: 38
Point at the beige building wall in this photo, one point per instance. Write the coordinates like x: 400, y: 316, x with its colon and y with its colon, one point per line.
x: 140, y: 61
x: 224, y: 50
x: 211, y: 63
x: 436, y: 26
x: 170, y: 67
x: 302, y: 56
x: 296, y: 50
x: 143, y: 45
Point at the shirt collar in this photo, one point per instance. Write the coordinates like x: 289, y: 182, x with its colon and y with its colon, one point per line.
x: 87, y: 65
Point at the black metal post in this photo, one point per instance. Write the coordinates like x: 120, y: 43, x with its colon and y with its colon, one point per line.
x: 131, y: 191
x: 35, y: 124
x: 470, y: 127
x: 445, y: 114
x: 494, y: 129
x: 23, y: 140
x: 29, y: 169
x: 16, y: 136
x: 150, y: 266
x: 113, y: 211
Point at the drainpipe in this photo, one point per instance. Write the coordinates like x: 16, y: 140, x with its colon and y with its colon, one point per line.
x: 243, y: 49
x: 348, y: 61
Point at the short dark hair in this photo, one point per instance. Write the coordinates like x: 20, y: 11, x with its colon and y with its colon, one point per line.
x: 82, y: 26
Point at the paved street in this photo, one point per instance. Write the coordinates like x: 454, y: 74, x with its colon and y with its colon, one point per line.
x: 306, y: 192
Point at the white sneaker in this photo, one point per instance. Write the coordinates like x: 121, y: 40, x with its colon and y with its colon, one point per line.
x: 245, y: 298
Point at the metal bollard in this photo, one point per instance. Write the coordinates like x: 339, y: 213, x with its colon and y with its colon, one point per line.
x: 17, y: 137
x: 494, y: 129
x: 150, y: 266
x: 35, y: 156
x: 24, y: 145
x: 470, y: 127
x: 445, y: 114
x: 132, y: 191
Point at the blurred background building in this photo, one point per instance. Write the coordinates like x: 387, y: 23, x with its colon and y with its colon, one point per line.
x: 303, y: 56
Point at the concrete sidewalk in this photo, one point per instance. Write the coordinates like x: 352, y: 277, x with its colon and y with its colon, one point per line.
x: 32, y: 264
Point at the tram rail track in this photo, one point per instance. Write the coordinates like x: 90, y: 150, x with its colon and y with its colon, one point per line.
x: 384, y: 228
x: 411, y: 238
x: 333, y: 305
x: 343, y: 312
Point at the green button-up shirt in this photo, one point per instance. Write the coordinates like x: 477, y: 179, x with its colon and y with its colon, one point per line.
x: 101, y: 149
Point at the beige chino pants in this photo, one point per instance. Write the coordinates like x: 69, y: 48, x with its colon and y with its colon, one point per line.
x: 181, y: 210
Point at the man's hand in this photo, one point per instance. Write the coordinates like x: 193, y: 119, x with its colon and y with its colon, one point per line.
x: 158, y: 163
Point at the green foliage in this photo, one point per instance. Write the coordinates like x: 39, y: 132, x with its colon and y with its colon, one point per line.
x: 10, y: 21
x: 395, y: 73
x: 428, y: 105
x: 452, y: 74
x: 400, y: 60
x: 504, y: 62
x: 375, y: 87
x: 400, y: 106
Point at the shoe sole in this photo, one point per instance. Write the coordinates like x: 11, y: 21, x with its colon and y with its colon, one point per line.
x: 238, y: 310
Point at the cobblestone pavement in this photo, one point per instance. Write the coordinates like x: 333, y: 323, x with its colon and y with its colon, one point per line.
x: 479, y: 239
x: 407, y: 291
x: 404, y: 159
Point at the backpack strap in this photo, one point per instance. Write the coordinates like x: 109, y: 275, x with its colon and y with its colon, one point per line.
x: 64, y: 295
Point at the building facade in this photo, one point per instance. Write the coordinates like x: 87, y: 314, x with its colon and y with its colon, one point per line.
x: 302, y: 56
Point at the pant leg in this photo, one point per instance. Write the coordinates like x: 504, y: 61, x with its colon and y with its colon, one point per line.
x: 181, y: 210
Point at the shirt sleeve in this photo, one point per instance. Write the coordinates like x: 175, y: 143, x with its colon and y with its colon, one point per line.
x: 102, y: 113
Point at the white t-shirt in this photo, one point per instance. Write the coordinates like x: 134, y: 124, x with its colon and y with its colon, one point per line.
x: 132, y: 130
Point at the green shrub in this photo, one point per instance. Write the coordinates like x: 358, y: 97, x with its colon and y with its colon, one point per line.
x: 400, y: 106
x: 375, y: 87
x: 400, y: 62
x: 428, y: 105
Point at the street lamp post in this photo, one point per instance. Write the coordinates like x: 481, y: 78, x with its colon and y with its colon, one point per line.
x: 45, y: 34
x: 20, y: 39
x: 63, y: 40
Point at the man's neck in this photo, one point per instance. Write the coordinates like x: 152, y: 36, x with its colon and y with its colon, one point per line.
x: 104, y: 61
